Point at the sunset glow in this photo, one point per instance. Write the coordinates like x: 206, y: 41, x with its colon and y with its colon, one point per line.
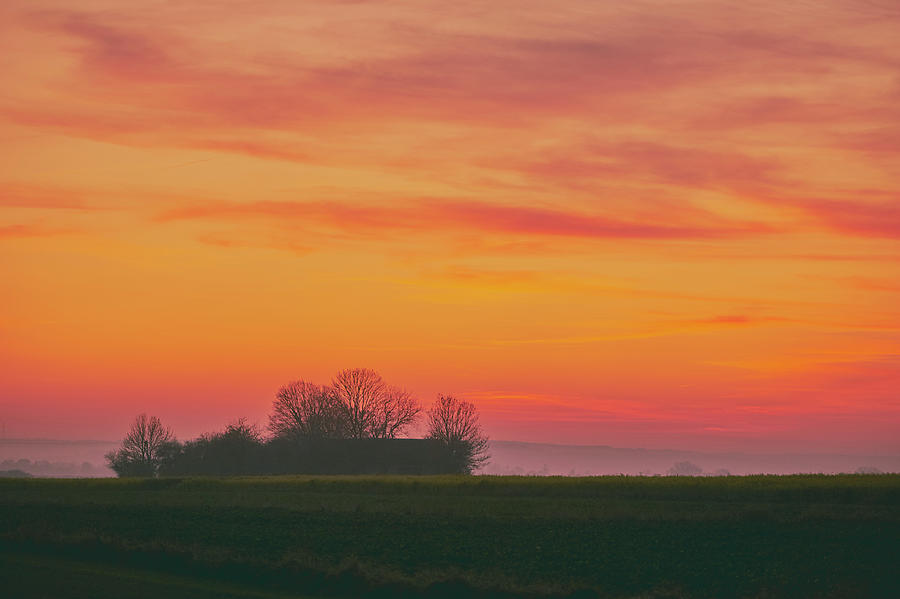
x: 640, y: 224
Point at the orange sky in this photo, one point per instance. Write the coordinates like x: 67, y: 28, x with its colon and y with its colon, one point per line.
x: 652, y: 223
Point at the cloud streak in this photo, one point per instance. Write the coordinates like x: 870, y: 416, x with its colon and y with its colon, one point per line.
x: 448, y: 77
x: 28, y: 231
x: 459, y: 215
x: 863, y: 218
x: 42, y: 197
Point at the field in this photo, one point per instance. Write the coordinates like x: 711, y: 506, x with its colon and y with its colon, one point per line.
x: 759, y: 536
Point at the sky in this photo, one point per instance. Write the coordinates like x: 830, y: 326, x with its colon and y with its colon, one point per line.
x: 653, y: 224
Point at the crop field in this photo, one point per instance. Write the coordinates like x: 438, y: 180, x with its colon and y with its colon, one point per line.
x: 446, y: 536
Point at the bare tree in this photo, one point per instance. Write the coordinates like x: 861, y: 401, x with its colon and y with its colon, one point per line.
x: 373, y: 409
x: 147, y: 445
x: 395, y: 411
x: 359, y: 390
x: 306, y: 410
x: 455, y: 423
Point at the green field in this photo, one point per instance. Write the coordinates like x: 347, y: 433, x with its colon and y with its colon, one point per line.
x: 760, y: 536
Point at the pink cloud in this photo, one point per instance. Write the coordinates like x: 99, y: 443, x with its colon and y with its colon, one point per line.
x: 685, y: 166
x: 738, y: 319
x: 463, y: 216
x: 881, y: 140
x: 257, y: 149
x: 539, y: 221
x: 232, y: 241
x: 22, y: 231
x: 113, y: 49
x: 863, y: 218
x: 169, y: 91
x: 444, y: 76
x: 872, y: 284
x: 15, y: 195
x: 769, y: 110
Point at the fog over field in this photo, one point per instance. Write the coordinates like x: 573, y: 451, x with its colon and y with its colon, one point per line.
x: 84, y: 458
x: 52, y: 457
x: 514, y: 457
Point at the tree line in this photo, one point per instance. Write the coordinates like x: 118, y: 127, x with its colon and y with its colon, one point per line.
x: 355, y: 424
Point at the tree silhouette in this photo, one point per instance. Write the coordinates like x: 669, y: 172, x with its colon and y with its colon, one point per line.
x: 308, y: 411
x: 455, y: 423
x: 372, y: 408
x: 236, y: 450
x: 146, y: 447
x: 395, y: 411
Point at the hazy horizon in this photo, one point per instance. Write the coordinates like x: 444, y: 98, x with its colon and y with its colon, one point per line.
x: 67, y: 458
x: 76, y: 441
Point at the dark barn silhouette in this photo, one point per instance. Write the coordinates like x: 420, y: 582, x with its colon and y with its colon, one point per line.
x: 219, y: 457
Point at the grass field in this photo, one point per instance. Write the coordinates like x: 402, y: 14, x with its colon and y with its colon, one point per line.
x: 761, y: 536
x: 52, y: 576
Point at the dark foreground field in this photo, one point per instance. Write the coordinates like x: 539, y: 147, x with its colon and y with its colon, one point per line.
x: 791, y: 536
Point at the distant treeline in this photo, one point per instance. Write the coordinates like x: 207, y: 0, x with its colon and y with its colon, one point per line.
x: 47, y: 468
x: 352, y: 426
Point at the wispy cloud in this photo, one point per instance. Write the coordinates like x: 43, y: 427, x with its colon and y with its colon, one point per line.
x: 25, y: 231
x: 112, y: 49
x: 234, y: 241
x: 596, y: 161
x: 864, y: 218
x: 461, y: 215
x: 737, y: 319
x: 448, y: 77
x: 17, y: 195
